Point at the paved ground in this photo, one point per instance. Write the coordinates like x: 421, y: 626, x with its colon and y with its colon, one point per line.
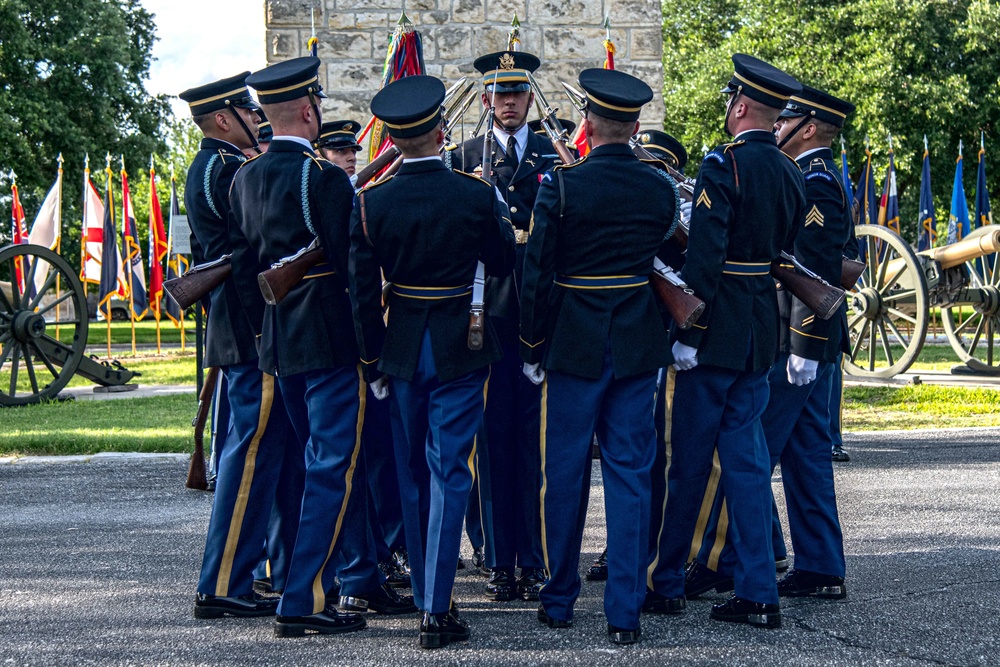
x: 100, y: 560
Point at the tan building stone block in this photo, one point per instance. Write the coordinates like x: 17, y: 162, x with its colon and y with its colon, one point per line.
x: 574, y: 43
x: 344, y: 44
x: 634, y: 13
x: 340, y: 21
x: 369, y: 20
x: 646, y: 44
x: 503, y: 11
x: 354, y: 76
x: 439, y: 17
x: 468, y: 11
x: 567, y: 12
x: 449, y: 42
x: 282, y: 45
x: 291, y: 12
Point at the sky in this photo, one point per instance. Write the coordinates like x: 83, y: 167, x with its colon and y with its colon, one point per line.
x: 202, y: 41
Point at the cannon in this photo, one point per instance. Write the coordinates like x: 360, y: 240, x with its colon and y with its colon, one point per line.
x: 43, y: 328
x: 889, y: 308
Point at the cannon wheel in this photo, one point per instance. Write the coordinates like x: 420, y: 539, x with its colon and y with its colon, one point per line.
x: 974, y: 329
x: 27, y: 326
x: 886, y: 310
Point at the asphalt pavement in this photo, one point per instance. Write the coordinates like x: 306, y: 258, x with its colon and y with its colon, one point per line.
x: 99, y: 558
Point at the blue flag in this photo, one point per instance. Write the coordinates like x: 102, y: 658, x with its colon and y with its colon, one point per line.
x: 984, y: 216
x: 958, y: 219
x: 112, y: 275
x: 846, y: 173
x: 928, y: 221
x: 865, y: 205
x: 888, y: 210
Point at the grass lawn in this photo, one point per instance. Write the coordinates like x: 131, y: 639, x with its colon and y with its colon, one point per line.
x: 121, y: 332
x: 919, y: 406
x: 172, y: 367
x: 159, y: 424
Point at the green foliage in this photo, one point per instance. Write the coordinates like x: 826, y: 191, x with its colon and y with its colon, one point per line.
x: 72, y: 78
x: 919, y: 406
x: 912, y: 67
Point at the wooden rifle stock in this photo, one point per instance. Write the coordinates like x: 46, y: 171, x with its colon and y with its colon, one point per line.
x: 196, y: 478
x: 198, y: 281
x: 818, y: 295
x: 684, y: 307
x: 851, y: 270
x: 383, y: 160
x: 275, y: 283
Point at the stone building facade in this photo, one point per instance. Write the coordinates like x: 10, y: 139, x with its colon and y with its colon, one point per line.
x: 566, y: 34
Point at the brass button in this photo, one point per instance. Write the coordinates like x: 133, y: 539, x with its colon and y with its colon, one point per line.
x: 510, y: 187
x: 513, y: 209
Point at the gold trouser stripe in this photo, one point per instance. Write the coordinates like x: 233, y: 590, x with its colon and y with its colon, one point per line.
x: 668, y: 421
x: 721, y: 530
x: 544, y: 415
x: 319, y: 595
x: 711, y: 489
x: 249, y: 466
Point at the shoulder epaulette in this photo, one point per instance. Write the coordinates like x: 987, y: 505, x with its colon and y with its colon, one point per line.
x: 576, y: 163
x: 790, y: 158
x: 817, y: 164
x: 320, y: 162
x: 229, y: 157
x: 731, y: 145
x: 371, y: 185
x: 473, y: 176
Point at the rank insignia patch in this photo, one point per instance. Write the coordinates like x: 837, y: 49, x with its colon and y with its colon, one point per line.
x: 814, y: 217
x: 703, y: 199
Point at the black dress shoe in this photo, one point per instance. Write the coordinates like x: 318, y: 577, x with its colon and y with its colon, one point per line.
x: 556, y: 623
x: 383, y: 600
x: 393, y: 576
x: 738, y: 610
x: 438, y: 630
x: 781, y: 563
x: 840, y: 455
x: 623, y: 636
x: 210, y: 483
x: 263, y: 586
x: 599, y: 569
x: 401, y: 560
x: 800, y: 583
x: 501, y: 586
x: 479, y: 561
x: 699, y: 580
x: 530, y: 583
x: 658, y: 604
x: 327, y: 622
x: 217, y: 606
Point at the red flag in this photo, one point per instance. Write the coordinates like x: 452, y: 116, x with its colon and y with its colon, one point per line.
x: 157, y: 245
x: 19, y: 233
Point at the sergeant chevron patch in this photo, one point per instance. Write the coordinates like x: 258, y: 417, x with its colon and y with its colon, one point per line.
x: 703, y: 199
x: 814, y: 217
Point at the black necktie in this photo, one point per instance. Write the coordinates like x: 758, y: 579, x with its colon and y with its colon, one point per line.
x: 506, y: 167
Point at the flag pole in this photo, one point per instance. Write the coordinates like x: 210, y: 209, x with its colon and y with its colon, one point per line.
x: 128, y: 256
x: 156, y: 310
x: 59, y: 239
x: 83, y: 237
x: 107, y: 169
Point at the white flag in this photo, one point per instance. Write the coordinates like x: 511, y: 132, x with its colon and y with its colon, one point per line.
x: 47, y: 228
x: 93, y: 233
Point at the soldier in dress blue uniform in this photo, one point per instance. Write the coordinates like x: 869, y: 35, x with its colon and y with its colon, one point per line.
x: 508, y: 445
x: 338, y: 143
x: 797, y: 420
x: 243, y: 501
x: 666, y: 148
x: 748, y: 200
x: 592, y: 334
x: 425, y: 229
x: 282, y: 201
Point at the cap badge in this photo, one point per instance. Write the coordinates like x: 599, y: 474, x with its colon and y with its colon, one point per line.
x: 644, y: 138
x: 506, y: 62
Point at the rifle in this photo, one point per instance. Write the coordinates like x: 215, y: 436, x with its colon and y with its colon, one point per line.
x: 818, y: 295
x: 685, y: 308
x: 198, y: 281
x: 384, y: 159
x: 550, y: 122
x: 275, y: 283
x: 196, y: 478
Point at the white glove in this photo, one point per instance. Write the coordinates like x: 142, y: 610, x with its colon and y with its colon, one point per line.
x: 534, y: 372
x: 801, y: 371
x: 685, y: 356
x: 380, y: 387
x: 686, y: 212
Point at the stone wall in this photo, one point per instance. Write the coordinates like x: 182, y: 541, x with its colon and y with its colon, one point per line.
x: 566, y: 34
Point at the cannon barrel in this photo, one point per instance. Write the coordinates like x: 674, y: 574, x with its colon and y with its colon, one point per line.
x: 974, y: 246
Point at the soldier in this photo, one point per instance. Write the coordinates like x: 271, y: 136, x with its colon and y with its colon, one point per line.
x: 748, y: 199
x: 508, y: 447
x: 425, y: 229
x: 264, y: 133
x: 663, y: 147
x: 593, y: 336
x: 223, y: 110
x: 338, y: 143
x: 307, y: 344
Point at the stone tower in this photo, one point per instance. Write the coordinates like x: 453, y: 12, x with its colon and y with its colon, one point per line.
x: 566, y: 34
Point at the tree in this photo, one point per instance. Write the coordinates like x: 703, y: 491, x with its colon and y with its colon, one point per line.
x: 912, y: 67
x: 71, y: 82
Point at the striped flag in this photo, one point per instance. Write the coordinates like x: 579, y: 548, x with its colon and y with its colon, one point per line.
x: 138, y: 300
x: 157, y: 245
x: 888, y: 209
x: 928, y: 221
x: 47, y: 229
x: 18, y: 232
x: 113, y: 282
x: 93, y: 232
x: 176, y: 264
x: 846, y: 174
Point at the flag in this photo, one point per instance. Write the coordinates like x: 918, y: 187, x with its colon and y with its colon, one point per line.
x: 93, y: 232
x: 958, y: 219
x: 157, y: 245
x: 312, y: 43
x: 138, y: 300
x: 112, y: 276
x: 865, y: 205
x: 984, y: 216
x: 888, y: 209
x: 609, y: 46
x: 846, y: 173
x: 47, y: 229
x: 176, y: 264
x: 928, y: 222
x: 18, y: 233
